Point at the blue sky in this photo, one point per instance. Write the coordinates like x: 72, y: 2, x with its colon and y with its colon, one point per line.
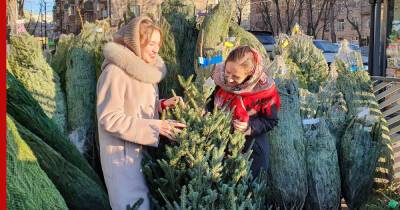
x: 34, y: 6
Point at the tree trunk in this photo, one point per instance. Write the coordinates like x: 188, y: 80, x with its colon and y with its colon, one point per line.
x: 278, y: 14
x: 21, y: 9
x: 332, y: 23
x: 11, y: 18
x: 267, y: 18
x: 353, y: 23
x: 310, y: 17
x: 239, y: 16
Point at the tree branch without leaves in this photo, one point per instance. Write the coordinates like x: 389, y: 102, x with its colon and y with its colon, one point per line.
x: 353, y: 22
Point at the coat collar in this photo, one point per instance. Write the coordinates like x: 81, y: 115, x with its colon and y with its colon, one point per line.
x: 133, y: 65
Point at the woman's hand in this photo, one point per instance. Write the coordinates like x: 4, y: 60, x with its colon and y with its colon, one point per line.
x: 172, y: 102
x: 169, y: 128
x: 241, y: 126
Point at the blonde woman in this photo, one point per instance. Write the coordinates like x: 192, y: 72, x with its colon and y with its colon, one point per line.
x: 128, y: 107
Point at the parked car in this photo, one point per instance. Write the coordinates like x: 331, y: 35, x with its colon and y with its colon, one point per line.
x: 364, y: 54
x: 330, y: 50
x: 267, y: 39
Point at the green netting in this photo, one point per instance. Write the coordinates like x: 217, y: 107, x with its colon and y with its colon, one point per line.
x: 356, y: 85
x: 81, y: 98
x: 310, y: 60
x: 27, y: 64
x: 92, y: 38
x: 322, y: 167
x: 28, y: 186
x: 246, y: 38
x: 83, y: 67
x: 333, y: 106
x: 308, y: 104
x: 58, y: 61
x: 288, y: 175
x: 213, y: 31
x: 77, y: 189
x: 23, y: 108
x: 179, y: 42
x: 359, y: 152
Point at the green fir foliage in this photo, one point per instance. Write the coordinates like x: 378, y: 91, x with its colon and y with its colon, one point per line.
x: 205, y: 168
x: 28, y: 186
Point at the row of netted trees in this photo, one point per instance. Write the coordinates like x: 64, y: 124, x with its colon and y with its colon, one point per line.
x: 329, y: 143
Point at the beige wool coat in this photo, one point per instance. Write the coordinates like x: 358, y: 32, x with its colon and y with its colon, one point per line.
x: 127, y: 111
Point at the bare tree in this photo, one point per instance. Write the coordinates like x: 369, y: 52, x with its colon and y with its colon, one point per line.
x: 314, y: 20
x: 267, y: 17
x: 240, y: 7
x: 79, y: 5
x: 11, y: 17
x: 21, y: 8
x: 332, y: 19
x: 293, y: 7
x: 353, y: 22
x: 331, y: 12
x: 280, y: 16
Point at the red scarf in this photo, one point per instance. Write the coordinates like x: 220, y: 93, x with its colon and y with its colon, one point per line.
x: 257, y: 95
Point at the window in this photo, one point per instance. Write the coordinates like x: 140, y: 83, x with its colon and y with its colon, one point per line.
x: 71, y: 10
x: 105, y: 13
x: 357, y: 3
x: 340, y: 25
x: 134, y: 9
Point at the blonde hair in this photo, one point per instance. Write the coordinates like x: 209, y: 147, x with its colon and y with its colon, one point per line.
x: 146, y: 30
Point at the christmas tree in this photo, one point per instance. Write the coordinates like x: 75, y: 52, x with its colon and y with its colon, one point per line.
x: 205, y: 168
x: 368, y: 127
x: 313, y: 68
x: 323, y: 175
x: 27, y: 63
x: 178, y: 25
x: 288, y: 174
x: 210, y: 41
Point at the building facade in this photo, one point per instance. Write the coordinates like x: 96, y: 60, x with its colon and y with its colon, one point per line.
x: 69, y: 16
x: 359, y: 14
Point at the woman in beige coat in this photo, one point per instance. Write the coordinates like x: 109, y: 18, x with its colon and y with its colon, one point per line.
x: 128, y: 108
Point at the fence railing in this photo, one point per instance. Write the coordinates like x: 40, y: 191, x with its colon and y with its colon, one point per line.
x: 387, y: 92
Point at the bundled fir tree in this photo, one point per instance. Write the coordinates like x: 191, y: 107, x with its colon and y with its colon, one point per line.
x: 322, y: 167
x: 28, y: 186
x: 58, y: 61
x: 210, y: 41
x: 333, y: 106
x: 205, y: 168
x: 288, y: 175
x: 27, y: 63
x: 313, y: 68
x: 219, y: 34
x: 78, y: 190
x: 83, y: 64
x: 359, y: 152
x: 321, y: 156
x: 356, y: 86
x: 246, y: 38
x: 178, y: 25
x: 26, y: 110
